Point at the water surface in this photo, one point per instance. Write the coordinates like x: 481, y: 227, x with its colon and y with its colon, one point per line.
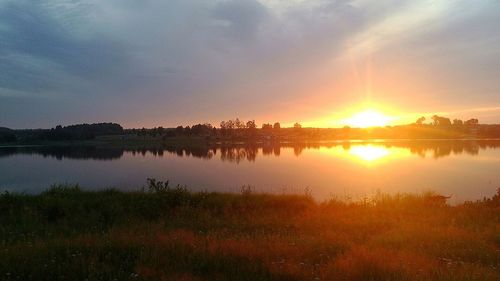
x: 467, y: 170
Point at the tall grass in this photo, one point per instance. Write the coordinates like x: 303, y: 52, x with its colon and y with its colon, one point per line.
x: 168, y: 233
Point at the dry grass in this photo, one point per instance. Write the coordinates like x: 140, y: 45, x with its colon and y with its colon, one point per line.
x: 171, y: 234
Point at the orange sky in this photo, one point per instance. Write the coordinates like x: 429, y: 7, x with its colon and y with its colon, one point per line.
x: 168, y: 63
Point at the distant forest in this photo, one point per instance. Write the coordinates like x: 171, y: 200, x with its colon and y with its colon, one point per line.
x: 236, y: 130
x: 60, y: 133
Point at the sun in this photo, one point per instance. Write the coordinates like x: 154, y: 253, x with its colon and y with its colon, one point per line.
x: 368, y: 118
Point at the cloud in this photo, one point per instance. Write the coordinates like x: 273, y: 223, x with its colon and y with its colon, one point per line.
x: 242, y: 18
x: 166, y: 62
x: 39, y: 53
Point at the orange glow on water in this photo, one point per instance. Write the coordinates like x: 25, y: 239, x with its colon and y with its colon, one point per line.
x: 369, y: 153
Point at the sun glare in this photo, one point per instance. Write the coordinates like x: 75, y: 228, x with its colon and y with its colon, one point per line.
x: 369, y: 153
x: 368, y: 118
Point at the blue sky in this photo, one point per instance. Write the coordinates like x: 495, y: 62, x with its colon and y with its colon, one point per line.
x: 156, y: 62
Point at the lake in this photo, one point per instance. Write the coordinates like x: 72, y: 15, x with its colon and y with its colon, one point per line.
x: 465, y: 169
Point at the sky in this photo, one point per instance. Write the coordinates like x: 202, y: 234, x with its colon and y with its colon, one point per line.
x: 179, y: 62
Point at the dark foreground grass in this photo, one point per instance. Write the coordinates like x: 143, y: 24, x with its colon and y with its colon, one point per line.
x: 171, y: 234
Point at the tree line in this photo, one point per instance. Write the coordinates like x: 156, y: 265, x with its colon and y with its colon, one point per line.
x: 227, y: 128
x: 60, y: 133
x: 7, y: 135
x: 236, y: 129
x: 440, y: 121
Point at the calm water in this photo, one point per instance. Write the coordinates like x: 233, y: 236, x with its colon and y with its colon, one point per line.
x: 467, y: 170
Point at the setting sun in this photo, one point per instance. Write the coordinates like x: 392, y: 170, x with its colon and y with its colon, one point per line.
x: 368, y: 118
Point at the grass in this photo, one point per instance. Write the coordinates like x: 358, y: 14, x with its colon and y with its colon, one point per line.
x: 168, y: 233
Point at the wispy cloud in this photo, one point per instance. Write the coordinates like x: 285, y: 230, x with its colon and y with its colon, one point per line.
x: 166, y: 62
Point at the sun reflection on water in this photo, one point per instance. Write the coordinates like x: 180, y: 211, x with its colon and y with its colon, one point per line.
x: 369, y: 153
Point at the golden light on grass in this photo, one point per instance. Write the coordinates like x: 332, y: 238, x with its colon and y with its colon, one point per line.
x: 368, y: 118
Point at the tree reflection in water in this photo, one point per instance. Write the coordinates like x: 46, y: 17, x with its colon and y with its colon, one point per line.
x: 250, y: 152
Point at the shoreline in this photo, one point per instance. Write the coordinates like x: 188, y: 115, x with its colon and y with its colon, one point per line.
x: 203, y: 141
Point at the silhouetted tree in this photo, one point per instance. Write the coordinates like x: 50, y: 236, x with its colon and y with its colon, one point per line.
x: 471, y: 122
x: 458, y: 123
x: 201, y: 129
x: 179, y: 130
x: 7, y: 135
x: 238, y: 124
x: 160, y: 130
x: 297, y: 127
x: 267, y: 128
x: 251, y: 124
x: 440, y: 121
x: 251, y: 127
x: 231, y: 124
x: 232, y: 127
x: 80, y: 131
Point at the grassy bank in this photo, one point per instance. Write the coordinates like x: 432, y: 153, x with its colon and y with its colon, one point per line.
x: 171, y: 234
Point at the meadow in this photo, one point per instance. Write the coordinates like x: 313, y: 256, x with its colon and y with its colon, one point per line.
x: 169, y: 233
